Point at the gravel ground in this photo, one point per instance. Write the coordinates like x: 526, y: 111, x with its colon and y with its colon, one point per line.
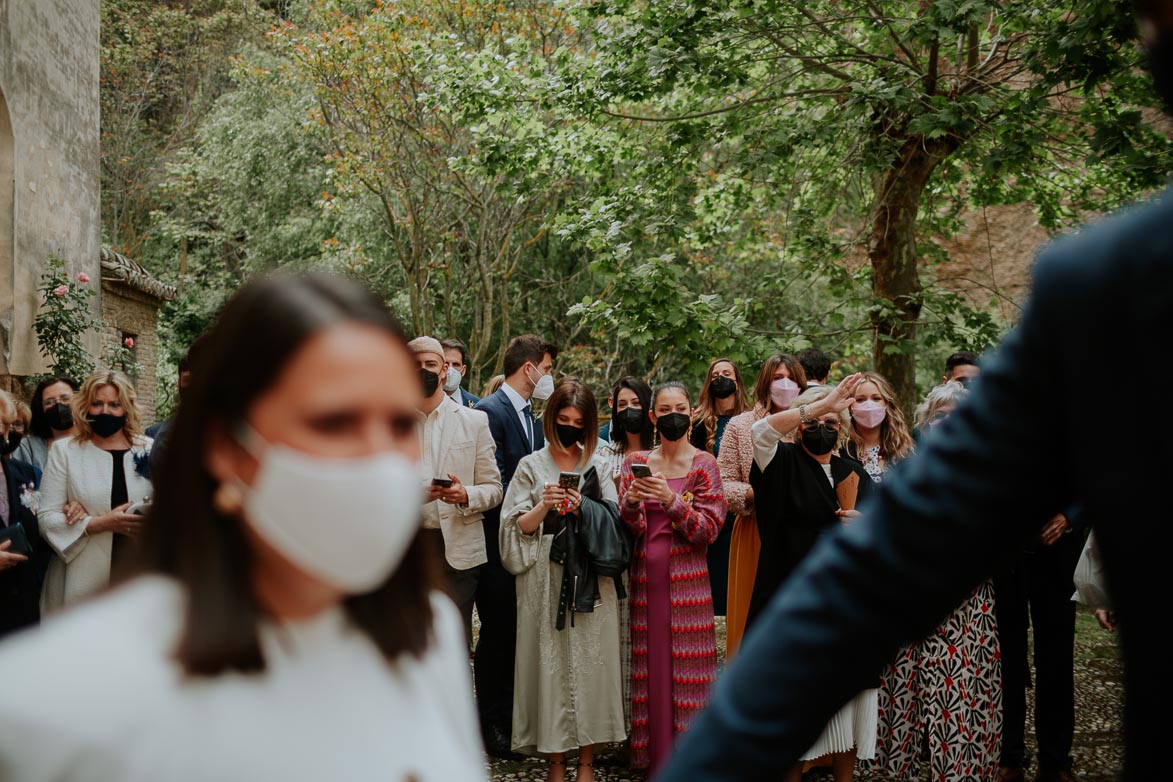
x: 1098, y: 750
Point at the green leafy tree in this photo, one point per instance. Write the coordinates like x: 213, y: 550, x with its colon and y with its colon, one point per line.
x: 882, y: 120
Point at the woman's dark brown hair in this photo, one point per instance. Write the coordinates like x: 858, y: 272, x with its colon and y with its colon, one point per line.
x: 40, y: 423
x: 572, y: 393
x: 255, y: 337
x: 761, y: 390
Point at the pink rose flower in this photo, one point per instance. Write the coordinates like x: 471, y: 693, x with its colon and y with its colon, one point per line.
x: 129, y: 342
x: 60, y: 290
x: 83, y: 277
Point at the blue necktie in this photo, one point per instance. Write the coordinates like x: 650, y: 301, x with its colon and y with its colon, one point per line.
x: 529, y: 424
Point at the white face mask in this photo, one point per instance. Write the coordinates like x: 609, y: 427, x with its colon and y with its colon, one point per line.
x: 783, y: 391
x: 348, y: 522
x: 544, y: 388
x: 452, y: 380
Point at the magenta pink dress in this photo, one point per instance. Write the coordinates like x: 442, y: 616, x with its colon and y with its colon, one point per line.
x: 660, y: 713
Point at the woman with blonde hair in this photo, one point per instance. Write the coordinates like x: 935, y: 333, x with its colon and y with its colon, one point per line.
x: 878, y: 436
x: 103, y: 467
x: 802, y: 489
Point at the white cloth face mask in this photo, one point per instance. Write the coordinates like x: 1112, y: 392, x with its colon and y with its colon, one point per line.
x: 868, y: 414
x: 348, y: 522
x: 783, y: 392
x: 452, y: 380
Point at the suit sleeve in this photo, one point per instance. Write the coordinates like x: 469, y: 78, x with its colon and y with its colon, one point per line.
x: 496, y: 431
x: 939, y: 525
x: 486, y: 491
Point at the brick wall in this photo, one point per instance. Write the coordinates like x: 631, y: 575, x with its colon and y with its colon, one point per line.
x: 127, y: 311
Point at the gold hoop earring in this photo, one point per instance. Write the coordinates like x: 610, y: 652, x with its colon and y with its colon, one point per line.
x: 227, y: 499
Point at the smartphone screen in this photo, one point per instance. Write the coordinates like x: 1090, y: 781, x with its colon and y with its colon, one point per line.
x: 443, y: 482
x: 568, y: 480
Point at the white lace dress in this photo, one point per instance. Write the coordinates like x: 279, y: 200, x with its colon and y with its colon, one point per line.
x: 568, y: 684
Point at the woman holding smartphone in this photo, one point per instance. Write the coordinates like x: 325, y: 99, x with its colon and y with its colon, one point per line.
x: 675, y: 505
x: 568, y: 688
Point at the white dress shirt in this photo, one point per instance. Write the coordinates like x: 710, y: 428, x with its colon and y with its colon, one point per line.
x: 765, y: 442
x: 520, y: 403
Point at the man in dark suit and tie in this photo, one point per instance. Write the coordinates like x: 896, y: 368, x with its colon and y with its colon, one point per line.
x: 1026, y: 444
x: 529, y: 363
x: 456, y: 354
x: 21, y: 573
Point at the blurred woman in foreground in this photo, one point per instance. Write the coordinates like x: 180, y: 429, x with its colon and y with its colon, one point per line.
x: 283, y: 622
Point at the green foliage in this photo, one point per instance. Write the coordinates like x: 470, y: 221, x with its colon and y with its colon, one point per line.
x: 63, y: 320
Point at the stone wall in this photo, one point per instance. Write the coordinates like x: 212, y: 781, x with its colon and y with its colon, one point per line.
x: 127, y: 312
x: 49, y: 178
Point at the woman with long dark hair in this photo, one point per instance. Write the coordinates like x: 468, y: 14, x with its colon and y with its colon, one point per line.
x: 283, y: 621
x: 780, y: 381
x: 51, y: 420
x: 631, y: 430
x: 675, y: 509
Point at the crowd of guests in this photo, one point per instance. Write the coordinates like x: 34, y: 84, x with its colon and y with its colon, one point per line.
x: 596, y: 557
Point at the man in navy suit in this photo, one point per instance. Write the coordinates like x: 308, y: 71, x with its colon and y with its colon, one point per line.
x: 1025, y: 445
x: 529, y: 363
x: 21, y: 574
x: 456, y: 354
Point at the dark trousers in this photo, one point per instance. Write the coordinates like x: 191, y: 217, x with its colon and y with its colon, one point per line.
x: 496, y: 604
x: 1036, y: 591
x: 461, y: 585
x: 718, y: 562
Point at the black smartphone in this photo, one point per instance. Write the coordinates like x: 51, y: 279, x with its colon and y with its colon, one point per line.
x: 568, y: 480
x: 641, y: 471
x: 445, y: 483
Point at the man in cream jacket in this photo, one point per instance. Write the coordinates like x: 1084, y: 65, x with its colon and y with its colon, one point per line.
x: 458, y: 455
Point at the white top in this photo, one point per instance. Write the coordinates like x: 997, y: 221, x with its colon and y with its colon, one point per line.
x: 765, y: 442
x: 519, y: 404
x: 98, y: 698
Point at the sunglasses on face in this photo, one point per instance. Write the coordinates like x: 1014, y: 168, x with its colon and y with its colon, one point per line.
x: 830, y: 423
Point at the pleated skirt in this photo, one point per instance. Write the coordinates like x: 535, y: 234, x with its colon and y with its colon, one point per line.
x: 853, y: 726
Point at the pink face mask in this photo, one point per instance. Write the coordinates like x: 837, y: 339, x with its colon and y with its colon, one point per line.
x: 783, y: 392
x: 868, y: 414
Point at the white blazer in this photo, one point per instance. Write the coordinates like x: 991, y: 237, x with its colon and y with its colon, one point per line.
x: 467, y: 451
x: 82, y: 472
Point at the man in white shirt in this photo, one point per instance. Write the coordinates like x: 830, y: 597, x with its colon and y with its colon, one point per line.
x: 459, y: 460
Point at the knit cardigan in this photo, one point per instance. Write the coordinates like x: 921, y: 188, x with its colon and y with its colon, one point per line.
x: 736, y: 459
x: 697, y: 516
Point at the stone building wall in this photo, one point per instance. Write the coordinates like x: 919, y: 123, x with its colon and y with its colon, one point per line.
x: 128, y: 312
x: 49, y: 177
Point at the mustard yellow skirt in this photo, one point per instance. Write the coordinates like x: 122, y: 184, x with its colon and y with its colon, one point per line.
x: 743, y: 567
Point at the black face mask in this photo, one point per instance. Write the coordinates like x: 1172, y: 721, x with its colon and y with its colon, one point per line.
x: 1160, y: 65
x: 629, y: 420
x: 820, y: 440
x: 106, y: 425
x: 60, y: 417
x: 12, y: 443
x: 569, y: 435
x: 431, y: 382
x: 722, y: 387
x: 673, y: 426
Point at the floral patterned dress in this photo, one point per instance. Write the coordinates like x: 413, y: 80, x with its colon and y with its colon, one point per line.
x: 950, y: 685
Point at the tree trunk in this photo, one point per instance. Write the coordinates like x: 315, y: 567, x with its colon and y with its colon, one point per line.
x: 892, y: 250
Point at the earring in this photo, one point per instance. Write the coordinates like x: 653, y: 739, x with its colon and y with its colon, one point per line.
x: 227, y: 499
